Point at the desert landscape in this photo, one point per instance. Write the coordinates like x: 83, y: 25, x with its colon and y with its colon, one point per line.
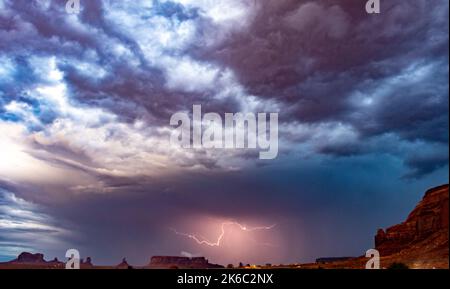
x: 420, y: 242
x: 224, y: 134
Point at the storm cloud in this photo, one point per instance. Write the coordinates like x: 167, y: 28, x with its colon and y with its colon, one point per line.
x: 86, y: 99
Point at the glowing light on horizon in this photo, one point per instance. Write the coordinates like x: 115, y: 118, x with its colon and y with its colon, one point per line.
x: 203, y: 241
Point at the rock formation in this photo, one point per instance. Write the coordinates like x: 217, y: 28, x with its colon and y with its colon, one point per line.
x: 181, y: 263
x: 123, y: 265
x: 428, y: 218
x: 29, y: 258
x: 86, y: 264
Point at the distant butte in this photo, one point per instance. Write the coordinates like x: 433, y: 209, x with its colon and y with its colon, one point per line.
x: 123, y: 265
x: 28, y: 260
x: 422, y: 240
x: 167, y: 262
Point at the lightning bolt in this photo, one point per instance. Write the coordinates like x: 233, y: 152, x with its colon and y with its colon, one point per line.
x: 203, y: 241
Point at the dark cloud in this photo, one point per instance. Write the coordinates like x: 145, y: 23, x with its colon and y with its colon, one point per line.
x: 422, y: 165
x: 315, y: 55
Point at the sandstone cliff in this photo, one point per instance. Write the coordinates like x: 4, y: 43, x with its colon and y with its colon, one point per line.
x: 422, y: 240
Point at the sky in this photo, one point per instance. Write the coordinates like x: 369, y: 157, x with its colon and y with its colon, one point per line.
x: 86, y: 100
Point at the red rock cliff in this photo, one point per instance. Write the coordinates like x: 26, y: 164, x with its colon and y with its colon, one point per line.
x: 428, y: 219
